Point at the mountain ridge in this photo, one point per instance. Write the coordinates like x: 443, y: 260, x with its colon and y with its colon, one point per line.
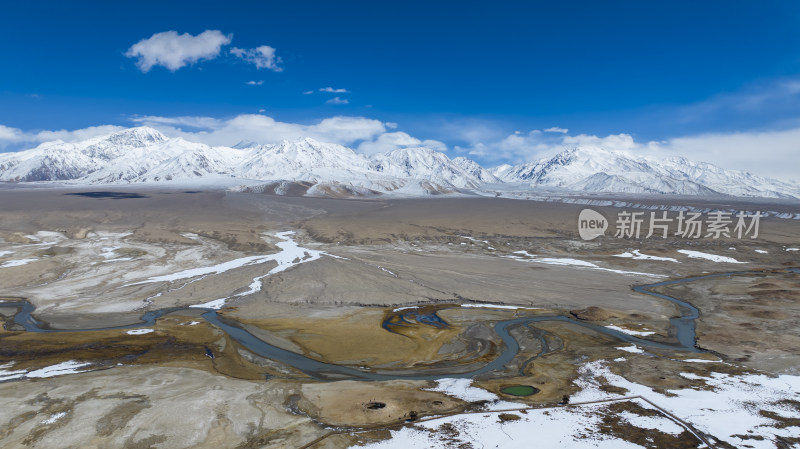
x: 143, y: 154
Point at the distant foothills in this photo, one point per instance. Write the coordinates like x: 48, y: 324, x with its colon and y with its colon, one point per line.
x: 309, y: 167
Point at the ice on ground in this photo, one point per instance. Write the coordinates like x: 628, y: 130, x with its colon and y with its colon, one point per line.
x: 653, y: 423
x: 108, y: 252
x: 574, y: 427
x: 54, y: 417
x: 7, y: 374
x: 792, y: 249
x: 404, y: 308
x: 462, y: 389
x: 700, y: 361
x: 290, y: 252
x: 205, y: 271
x: 575, y: 263
x: 119, y: 259
x: 215, y: 304
x: 731, y: 408
x: 636, y: 255
x: 496, y: 306
x: 5, y: 253
x: 761, y: 251
x: 17, y: 263
x: 629, y: 331
x: 707, y: 256
x: 474, y: 239
x: 59, y: 369
x: 139, y: 331
x: 489, y: 247
x: 632, y: 348
x: 290, y: 255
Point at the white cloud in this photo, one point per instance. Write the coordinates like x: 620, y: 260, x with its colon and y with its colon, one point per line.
x: 11, y: 135
x: 335, y: 91
x: 173, y: 50
x: 556, y: 129
x: 767, y: 153
x: 337, y: 100
x: 364, y: 134
x: 394, y: 140
x: 264, y: 129
x: 255, y: 83
x: 188, y: 121
x: 263, y: 57
x: 15, y: 138
x: 308, y: 92
x: 618, y: 142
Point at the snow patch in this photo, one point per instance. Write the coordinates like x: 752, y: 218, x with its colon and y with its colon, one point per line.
x: 54, y: 417
x: 575, y: 263
x: 494, y: 306
x: 59, y: 369
x: 636, y: 255
x: 707, y: 256
x: 18, y: 262
x: 215, y: 304
x: 139, y: 331
x: 731, y: 406
x: 629, y: 331
x: 462, y: 389
x: 632, y: 349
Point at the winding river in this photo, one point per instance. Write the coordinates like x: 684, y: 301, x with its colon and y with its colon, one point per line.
x: 683, y: 327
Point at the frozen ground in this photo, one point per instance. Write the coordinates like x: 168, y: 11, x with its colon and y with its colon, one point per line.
x: 743, y: 411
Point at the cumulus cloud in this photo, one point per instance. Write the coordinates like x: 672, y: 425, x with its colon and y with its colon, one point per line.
x: 337, y: 100
x: 263, y: 57
x: 335, y: 91
x: 363, y: 134
x: 11, y: 135
x: 173, y: 51
x: 394, y: 140
x: 556, y: 129
x: 15, y: 138
x: 264, y: 129
x: 765, y: 153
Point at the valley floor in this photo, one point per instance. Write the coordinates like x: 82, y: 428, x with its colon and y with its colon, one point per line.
x: 178, y: 318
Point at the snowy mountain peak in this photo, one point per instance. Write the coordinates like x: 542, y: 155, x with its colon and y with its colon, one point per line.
x: 140, y: 136
x: 425, y: 163
x: 593, y: 169
x: 143, y: 154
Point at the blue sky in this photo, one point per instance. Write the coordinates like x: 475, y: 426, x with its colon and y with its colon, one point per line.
x: 472, y: 78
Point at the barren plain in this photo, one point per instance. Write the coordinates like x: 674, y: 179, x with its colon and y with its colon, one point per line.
x: 154, y: 317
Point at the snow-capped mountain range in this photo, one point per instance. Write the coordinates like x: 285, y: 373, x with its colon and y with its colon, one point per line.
x: 143, y: 154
